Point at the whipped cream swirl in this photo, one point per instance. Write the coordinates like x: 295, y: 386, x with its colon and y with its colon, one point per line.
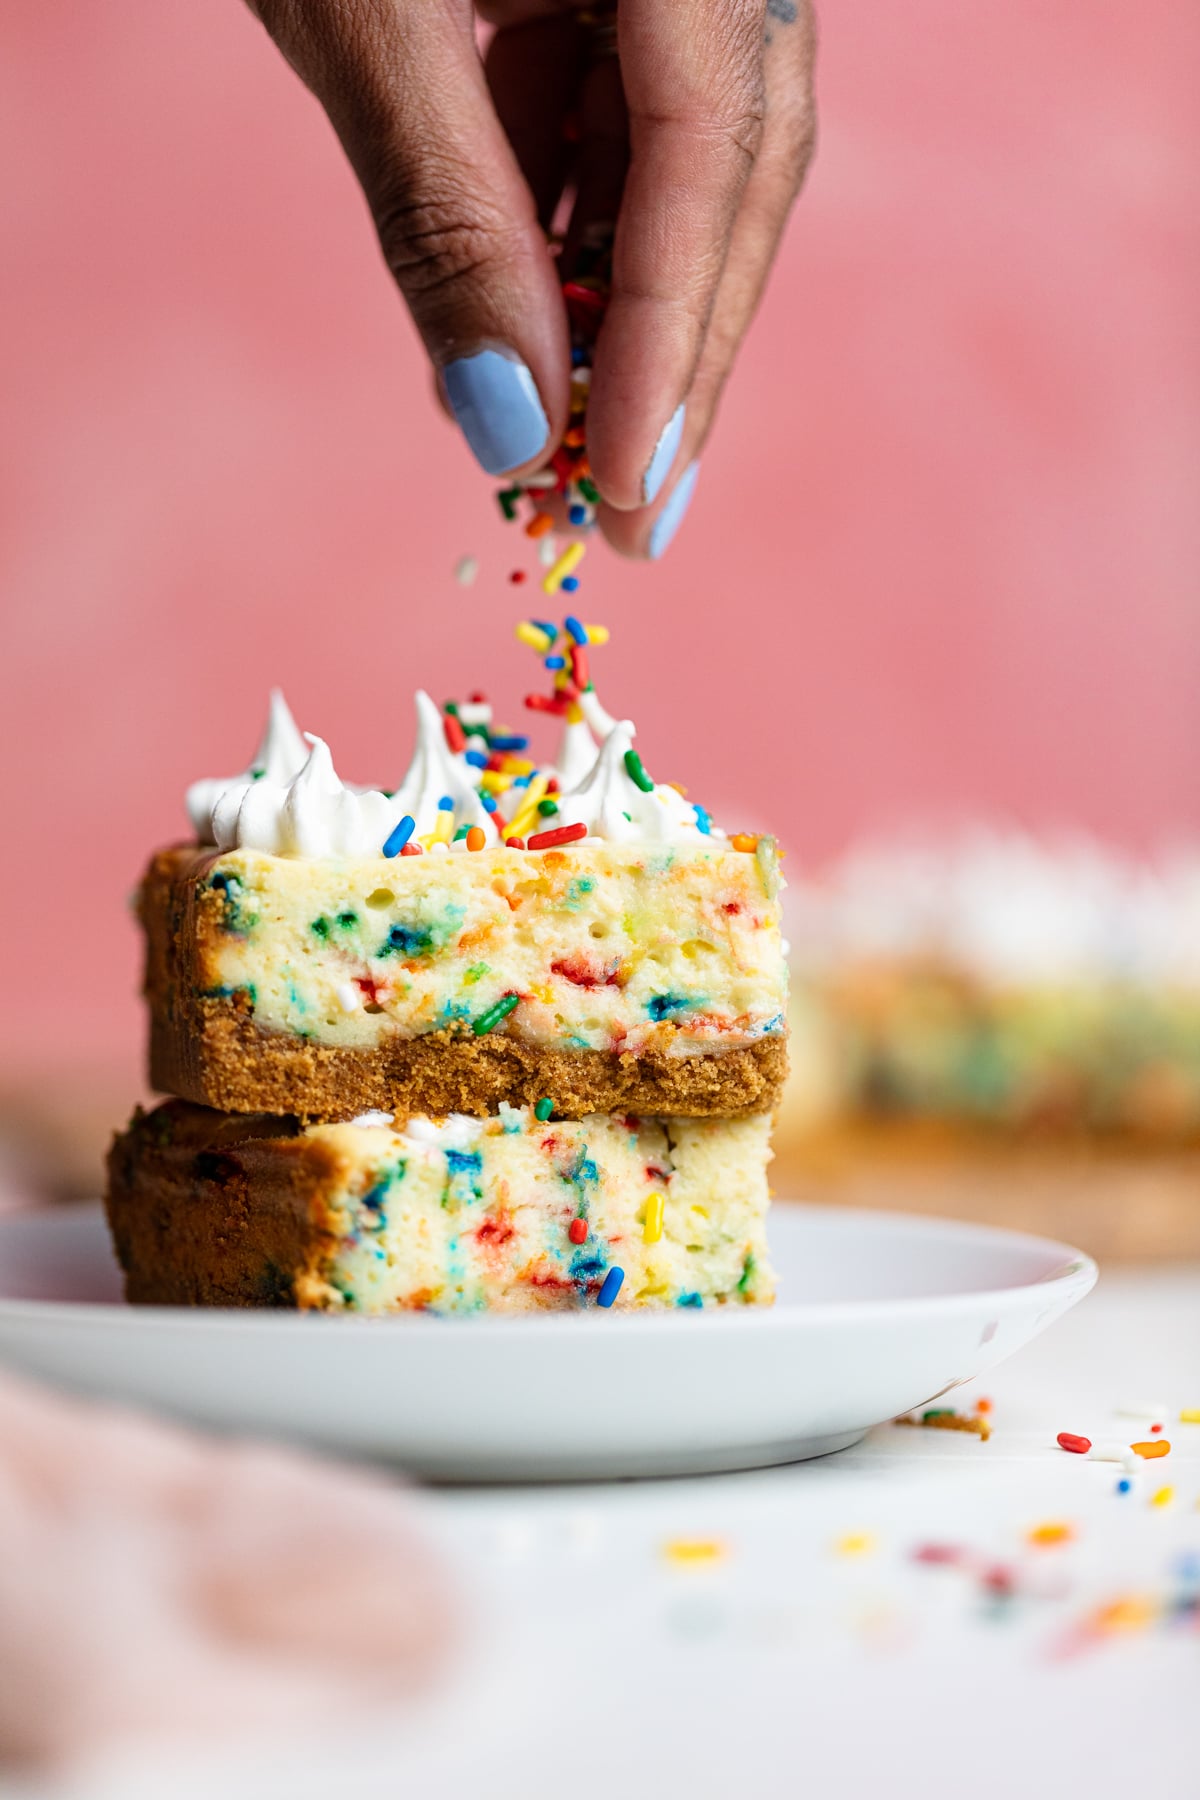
x: 292, y: 802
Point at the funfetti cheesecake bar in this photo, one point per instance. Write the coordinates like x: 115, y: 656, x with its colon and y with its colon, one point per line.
x: 489, y: 931
x: 515, y: 1213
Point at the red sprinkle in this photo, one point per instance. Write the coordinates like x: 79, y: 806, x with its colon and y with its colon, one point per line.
x: 577, y: 1230
x: 515, y: 843
x: 1156, y: 1428
x: 547, y: 703
x: 579, y: 666
x: 938, y: 1553
x: 456, y: 737
x: 477, y: 699
x: 517, y: 577
x: 565, y: 834
x: 1078, y: 1446
x: 411, y: 849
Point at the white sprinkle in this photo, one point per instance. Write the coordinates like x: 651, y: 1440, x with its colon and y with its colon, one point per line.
x: 1153, y: 1409
x: 1131, y: 1462
x: 465, y: 570
x: 541, y: 478
x: 1109, y: 1452
x: 347, y: 996
x: 511, y: 1117
x: 439, y: 849
x: 548, y: 550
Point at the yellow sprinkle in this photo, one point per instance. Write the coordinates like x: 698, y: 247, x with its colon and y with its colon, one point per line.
x: 574, y: 713
x: 537, y: 640
x: 518, y: 765
x: 567, y: 563
x: 1130, y: 1614
x: 1162, y: 1496
x: 855, y: 1543
x: 597, y: 634
x: 527, y: 811
x: 1190, y: 1415
x: 694, y: 1552
x: 493, y: 782
x: 652, y: 1229
x: 1053, y: 1532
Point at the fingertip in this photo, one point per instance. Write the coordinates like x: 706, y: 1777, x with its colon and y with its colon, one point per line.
x: 648, y: 532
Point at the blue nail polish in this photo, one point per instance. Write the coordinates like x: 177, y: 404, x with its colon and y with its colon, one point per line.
x: 671, y: 517
x: 664, y: 455
x: 496, y: 403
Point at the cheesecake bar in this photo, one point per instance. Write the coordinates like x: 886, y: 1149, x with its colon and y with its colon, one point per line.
x: 513, y: 1213
x: 323, y: 950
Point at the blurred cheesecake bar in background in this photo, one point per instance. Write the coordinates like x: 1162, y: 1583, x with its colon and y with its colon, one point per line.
x: 511, y: 1213
x: 993, y: 988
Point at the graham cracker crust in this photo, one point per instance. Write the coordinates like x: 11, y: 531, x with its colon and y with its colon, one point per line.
x: 208, y: 1051
x: 208, y: 1211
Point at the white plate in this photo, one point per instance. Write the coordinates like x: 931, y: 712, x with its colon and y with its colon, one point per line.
x: 878, y: 1313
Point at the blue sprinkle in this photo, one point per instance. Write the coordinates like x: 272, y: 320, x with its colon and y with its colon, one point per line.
x: 578, y: 357
x: 577, y: 515
x: 1124, y: 1485
x: 610, y: 1287
x: 573, y: 628
x: 661, y: 1006
x: 446, y: 803
x: 547, y: 625
x: 476, y: 758
x: 522, y: 781
x: 489, y: 803
x: 556, y: 662
x: 399, y: 836
x: 569, y: 584
x: 510, y: 743
x: 692, y: 1299
x: 703, y: 820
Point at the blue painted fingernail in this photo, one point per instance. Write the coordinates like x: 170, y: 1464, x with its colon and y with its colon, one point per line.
x: 664, y: 455
x: 671, y: 517
x: 496, y: 403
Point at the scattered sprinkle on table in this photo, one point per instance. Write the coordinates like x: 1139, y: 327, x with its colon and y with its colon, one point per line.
x: 855, y: 1543
x: 1069, y: 1440
x: 1151, y: 1447
x: 692, y: 1553
x: 1054, y: 1531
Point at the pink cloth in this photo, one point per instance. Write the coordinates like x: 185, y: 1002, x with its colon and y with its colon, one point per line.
x: 156, y: 1584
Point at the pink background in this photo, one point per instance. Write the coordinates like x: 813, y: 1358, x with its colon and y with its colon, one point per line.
x: 943, y: 554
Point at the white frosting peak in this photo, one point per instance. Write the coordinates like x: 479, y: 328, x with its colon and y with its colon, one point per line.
x: 436, y: 771
x: 611, y: 804
x: 280, y: 756
x: 314, y: 815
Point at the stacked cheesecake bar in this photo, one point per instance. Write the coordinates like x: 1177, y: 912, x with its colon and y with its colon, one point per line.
x: 505, y: 1037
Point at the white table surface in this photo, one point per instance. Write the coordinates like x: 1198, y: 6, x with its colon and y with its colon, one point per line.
x: 597, y: 1666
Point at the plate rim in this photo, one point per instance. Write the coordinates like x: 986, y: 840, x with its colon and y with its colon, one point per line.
x: 1074, y: 1273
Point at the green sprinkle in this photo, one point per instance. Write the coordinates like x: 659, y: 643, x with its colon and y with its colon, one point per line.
x: 320, y: 927
x: 461, y: 833
x: 547, y: 807
x: 544, y: 1108
x: 257, y: 774
x: 938, y: 1412
x: 588, y: 488
x: 636, y: 773
x: 492, y: 1017
x: 508, y: 498
x: 450, y: 706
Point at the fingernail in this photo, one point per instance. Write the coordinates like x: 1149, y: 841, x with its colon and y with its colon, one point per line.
x: 671, y: 517
x: 664, y: 455
x: 496, y: 403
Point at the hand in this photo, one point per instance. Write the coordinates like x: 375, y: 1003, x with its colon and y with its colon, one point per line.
x: 695, y: 143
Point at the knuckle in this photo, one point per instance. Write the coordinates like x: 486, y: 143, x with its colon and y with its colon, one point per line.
x: 434, y: 243
x: 797, y: 138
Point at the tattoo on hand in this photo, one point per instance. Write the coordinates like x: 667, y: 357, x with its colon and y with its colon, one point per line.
x: 780, y: 12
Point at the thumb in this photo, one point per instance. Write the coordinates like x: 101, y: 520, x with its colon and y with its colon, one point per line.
x: 404, y: 89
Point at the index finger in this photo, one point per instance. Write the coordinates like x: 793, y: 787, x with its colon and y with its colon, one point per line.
x: 693, y: 77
